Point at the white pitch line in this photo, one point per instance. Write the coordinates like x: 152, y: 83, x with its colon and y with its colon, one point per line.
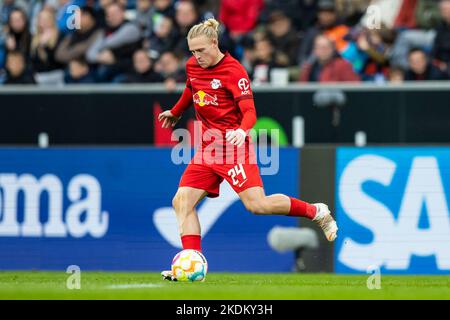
x: 134, y: 286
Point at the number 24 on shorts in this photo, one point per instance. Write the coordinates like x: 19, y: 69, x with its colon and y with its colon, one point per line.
x: 233, y: 172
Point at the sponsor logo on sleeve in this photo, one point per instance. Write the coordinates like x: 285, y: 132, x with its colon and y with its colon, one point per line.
x: 244, y: 85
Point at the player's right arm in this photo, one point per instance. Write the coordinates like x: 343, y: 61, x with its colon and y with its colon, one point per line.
x: 172, y: 116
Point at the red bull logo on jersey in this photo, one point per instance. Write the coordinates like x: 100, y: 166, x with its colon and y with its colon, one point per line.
x: 204, y: 99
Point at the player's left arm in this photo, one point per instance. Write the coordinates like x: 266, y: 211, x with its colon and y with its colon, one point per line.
x: 239, y: 86
x: 237, y: 137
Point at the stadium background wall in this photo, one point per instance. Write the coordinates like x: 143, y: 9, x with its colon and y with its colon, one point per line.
x: 109, y: 209
x: 125, y: 115
x: 104, y: 198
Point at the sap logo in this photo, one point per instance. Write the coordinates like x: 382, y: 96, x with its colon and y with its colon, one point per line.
x: 83, y: 216
x: 395, y: 240
x: 209, y: 212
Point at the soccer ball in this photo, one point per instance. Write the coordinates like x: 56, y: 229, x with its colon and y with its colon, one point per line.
x: 189, y: 265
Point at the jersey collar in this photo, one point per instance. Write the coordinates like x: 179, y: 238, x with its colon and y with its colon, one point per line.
x: 226, y: 54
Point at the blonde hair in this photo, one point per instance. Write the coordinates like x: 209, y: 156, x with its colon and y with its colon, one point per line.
x: 208, y: 28
x: 35, y: 48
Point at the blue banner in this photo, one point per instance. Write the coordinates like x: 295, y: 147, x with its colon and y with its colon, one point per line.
x: 110, y: 209
x: 392, y: 210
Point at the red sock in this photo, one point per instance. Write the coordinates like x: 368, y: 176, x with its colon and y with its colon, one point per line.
x: 192, y: 241
x: 301, y: 208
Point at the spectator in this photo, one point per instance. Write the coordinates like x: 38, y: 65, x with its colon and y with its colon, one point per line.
x: 79, y: 72
x: 301, y: 12
x: 7, y: 6
x: 376, y: 45
x: 265, y: 60
x: 16, y: 71
x: 164, y: 37
x: 43, y: 47
x: 248, y: 54
x: 396, y: 75
x: 144, y: 13
x: 170, y: 67
x: 208, y: 7
x: 327, y: 24
x: 421, y: 69
x: 240, y: 16
x: 114, y: 46
x: 100, y: 12
x: 164, y: 7
x: 76, y: 44
x: 17, y: 35
x: 134, y: 50
x: 123, y: 3
x: 285, y: 39
x: 14, y: 31
x: 163, y: 16
x: 142, y: 70
x: 226, y: 42
x: 35, y: 6
x: 441, y: 47
x: 186, y: 16
x: 407, y: 40
x: 327, y: 65
x: 427, y: 14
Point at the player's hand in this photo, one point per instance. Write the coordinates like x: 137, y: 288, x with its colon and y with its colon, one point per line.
x: 236, y: 137
x: 169, y: 119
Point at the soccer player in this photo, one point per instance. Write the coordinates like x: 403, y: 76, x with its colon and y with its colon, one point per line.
x: 219, y: 87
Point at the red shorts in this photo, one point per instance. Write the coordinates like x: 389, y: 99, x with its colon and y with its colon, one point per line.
x: 208, y: 176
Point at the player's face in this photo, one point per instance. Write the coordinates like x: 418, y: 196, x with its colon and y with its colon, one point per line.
x: 204, y: 50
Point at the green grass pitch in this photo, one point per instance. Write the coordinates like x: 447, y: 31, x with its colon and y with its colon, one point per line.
x: 236, y: 286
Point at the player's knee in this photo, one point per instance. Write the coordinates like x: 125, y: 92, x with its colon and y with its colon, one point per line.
x: 180, y: 203
x: 177, y: 202
x: 256, y: 207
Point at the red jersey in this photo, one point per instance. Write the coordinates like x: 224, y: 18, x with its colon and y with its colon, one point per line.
x: 216, y: 94
x: 216, y: 91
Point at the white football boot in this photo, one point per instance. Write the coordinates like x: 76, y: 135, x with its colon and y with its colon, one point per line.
x: 325, y: 221
x: 167, y: 275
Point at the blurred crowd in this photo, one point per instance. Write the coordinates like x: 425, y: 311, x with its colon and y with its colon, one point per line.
x: 278, y: 41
